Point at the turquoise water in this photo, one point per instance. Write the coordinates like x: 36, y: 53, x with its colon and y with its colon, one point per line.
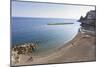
x: 25, y: 30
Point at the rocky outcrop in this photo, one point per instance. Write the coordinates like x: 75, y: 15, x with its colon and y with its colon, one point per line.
x: 89, y: 21
x: 27, y: 48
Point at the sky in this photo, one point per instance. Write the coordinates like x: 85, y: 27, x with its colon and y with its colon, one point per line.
x: 47, y: 10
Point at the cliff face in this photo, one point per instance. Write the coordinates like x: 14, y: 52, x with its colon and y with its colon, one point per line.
x: 89, y: 21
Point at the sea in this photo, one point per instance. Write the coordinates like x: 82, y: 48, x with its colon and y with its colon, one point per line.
x: 37, y: 30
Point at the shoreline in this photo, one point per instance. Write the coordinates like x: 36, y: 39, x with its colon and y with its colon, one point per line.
x: 81, y: 48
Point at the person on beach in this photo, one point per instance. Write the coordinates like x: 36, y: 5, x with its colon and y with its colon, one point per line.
x: 30, y: 59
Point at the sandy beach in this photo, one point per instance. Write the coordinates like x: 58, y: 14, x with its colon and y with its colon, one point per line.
x: 81, y: 48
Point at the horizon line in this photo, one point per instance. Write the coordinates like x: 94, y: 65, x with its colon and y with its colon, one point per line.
x: 45, y: 17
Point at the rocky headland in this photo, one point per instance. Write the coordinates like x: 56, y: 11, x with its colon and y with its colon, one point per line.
x: 89, y: 21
